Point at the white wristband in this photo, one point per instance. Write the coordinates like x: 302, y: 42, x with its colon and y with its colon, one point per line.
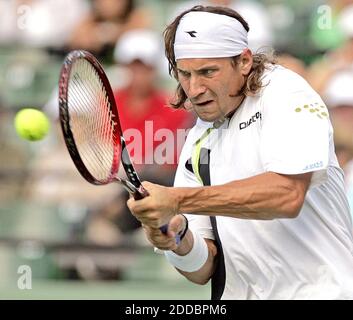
x: 192, y: 261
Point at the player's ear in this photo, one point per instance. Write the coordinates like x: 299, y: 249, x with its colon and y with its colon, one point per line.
x: 245, y: 62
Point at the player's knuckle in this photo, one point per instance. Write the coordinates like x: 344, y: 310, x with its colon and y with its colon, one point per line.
x: 154, y: 217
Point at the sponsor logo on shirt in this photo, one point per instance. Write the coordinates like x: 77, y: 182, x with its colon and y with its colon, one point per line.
x: 315, y: 165
x: 314, y: 108
x: 254, y: 118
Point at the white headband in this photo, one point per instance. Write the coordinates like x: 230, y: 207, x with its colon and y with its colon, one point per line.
x: 208, y: 35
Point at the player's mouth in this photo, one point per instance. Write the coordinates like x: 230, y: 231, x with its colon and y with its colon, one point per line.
x: 204, y: 103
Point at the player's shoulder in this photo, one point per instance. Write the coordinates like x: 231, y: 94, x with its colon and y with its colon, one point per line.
x: 280, y: 79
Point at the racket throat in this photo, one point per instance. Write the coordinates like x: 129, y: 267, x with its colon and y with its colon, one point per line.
x: 129, y: 187
x: 128, y: 167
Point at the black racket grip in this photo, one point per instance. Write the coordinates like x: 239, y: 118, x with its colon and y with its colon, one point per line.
x: 140, y: 193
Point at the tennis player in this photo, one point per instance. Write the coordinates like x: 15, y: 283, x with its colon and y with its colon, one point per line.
x: 266, y: 216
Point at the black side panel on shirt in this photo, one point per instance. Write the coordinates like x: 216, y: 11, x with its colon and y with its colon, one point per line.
x: 188, y: 166
x: 219, y: 276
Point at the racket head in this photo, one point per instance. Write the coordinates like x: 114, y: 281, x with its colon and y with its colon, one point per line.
x: 89, y: 118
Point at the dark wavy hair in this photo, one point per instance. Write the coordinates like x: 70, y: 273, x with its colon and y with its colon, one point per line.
x: 253, y: 83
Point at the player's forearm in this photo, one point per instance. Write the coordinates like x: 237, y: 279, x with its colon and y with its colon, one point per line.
x: 202, y: 275
x: 266, y: 196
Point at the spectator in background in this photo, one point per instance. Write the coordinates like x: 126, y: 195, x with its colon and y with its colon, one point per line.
x: 99, y: 30
x: 13, y: 159
x: 332, y: 77
x: 337, y: 59
x: 144, y: 114
x: 39, y: 23
x: 140, y: 100
x: 291, y: 62
x: 327, y: 32
x: 338, y: 94
x: 8, y: 22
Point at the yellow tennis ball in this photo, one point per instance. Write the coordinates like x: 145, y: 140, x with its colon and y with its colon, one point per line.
x: 31, y: 124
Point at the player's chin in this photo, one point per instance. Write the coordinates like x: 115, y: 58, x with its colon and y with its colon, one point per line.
x: 208, y: 115
x: 209, y: 112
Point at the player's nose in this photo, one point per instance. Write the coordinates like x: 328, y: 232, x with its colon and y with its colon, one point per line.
x: 196, y: 87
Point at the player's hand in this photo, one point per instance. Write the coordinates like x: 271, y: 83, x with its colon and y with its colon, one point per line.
x: 166, y: 241
x: 158, y: 208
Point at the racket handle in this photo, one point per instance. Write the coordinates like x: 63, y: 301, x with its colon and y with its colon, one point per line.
x: 141, y: 193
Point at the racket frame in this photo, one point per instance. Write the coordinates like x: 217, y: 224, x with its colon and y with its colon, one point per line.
x: 133, y: 184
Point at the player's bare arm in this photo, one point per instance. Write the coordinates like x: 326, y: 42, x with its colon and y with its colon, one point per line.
x: 266, y: 196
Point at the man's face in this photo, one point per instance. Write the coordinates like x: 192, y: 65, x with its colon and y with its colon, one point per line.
x: 212, y: 85
x: 143, y: 77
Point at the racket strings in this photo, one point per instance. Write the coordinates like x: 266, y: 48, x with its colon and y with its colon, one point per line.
x: 91, y: 153
x: 84, y: 96
x: 92, y: 121
x: 100, y: 126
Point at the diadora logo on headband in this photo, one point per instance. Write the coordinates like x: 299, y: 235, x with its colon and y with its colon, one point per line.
x: 191, y: 33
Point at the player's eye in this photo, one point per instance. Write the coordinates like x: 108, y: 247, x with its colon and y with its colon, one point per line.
x: 183, y: 73
x: 207, y: 72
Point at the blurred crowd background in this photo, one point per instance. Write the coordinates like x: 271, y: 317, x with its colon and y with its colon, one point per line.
x: 80, y: 240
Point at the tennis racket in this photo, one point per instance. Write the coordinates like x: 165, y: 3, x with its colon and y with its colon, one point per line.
x: 90, y: 124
